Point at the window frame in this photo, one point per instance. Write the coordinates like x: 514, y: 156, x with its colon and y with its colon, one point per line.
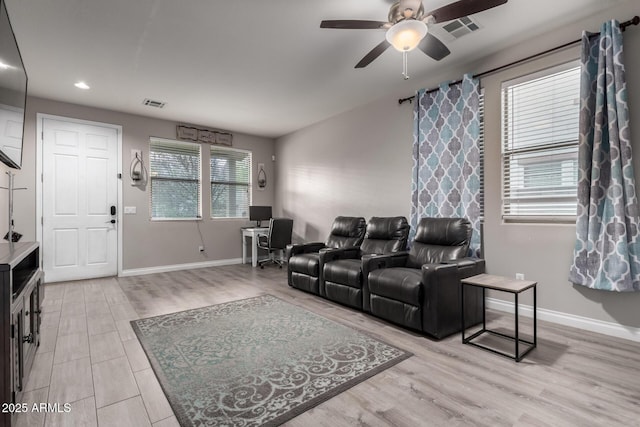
x: 510, y: 217
x: 199, y: 181
x: 249, y: 184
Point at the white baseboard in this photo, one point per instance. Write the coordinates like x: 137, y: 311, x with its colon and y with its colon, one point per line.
x: 593, y: 325
x: 178, y: 267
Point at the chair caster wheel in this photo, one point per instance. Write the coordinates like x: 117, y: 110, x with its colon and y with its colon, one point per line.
x: 280, y: 267
x: 262, y: 267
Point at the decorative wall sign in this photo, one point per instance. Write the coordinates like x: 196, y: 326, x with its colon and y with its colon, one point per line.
x: 206, y: 136
x: 187, y: 133
x: 224, y: 138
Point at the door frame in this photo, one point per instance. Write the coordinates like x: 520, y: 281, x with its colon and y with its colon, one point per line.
x: 40, y: 117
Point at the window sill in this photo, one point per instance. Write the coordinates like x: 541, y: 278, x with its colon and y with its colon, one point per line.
x: 230, y: 218
x: 175, y: 219
x: 563, y: 220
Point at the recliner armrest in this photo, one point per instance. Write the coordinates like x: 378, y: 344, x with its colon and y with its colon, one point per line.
x: 372, y: 262
x: 441, y: 305
x: 332, y: 254
x: 303, y: 248
x: 441, y: 299
x: 369, y: 262
x: 468, y: 267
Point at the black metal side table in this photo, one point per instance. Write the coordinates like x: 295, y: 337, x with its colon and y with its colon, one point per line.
x: 503, y: 284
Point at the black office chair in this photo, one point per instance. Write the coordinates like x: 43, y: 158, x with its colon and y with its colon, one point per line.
x: 279, y: 237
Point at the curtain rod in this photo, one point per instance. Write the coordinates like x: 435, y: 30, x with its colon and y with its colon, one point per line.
x: 623, y: 26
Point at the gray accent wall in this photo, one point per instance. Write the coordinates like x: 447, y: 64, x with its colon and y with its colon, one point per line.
x: 359, y: 163
x: 355, y: 164
x: 146, y: 243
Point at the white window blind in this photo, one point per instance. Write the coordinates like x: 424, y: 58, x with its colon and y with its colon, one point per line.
x: 174, y: 168
x: 230, y: 182
x: 540, y: 145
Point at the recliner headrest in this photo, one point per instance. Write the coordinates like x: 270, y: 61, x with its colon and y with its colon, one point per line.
x: 385, y: 235
x: 348, y: 226
x: 388, y: 228
x: 444, y: 231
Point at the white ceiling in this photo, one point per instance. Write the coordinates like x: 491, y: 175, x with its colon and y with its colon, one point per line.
x: 258, y: 67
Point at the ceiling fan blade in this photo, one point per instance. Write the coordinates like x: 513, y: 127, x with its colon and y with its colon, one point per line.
x: 352, y: 24
x: 432, y: 46
x: 463, y: 8
x: 375, y: 52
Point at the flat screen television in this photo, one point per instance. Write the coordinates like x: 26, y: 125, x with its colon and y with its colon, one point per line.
x: 259, y: 213
x: 13, y: 94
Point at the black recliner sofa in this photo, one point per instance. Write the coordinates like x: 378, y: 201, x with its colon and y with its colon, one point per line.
x: 420, y: 289
x: 303, y: 270
x: 341, y: 278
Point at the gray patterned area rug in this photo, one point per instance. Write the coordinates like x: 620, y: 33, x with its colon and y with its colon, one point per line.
x: 258, y: 361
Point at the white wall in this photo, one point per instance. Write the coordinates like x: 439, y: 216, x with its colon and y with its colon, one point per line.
x: 359, y: 163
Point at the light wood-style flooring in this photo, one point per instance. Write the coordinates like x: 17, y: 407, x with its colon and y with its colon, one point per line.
x: 90, y: 357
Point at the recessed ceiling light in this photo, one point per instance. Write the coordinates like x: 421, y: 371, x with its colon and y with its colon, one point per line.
x: 81, y: 85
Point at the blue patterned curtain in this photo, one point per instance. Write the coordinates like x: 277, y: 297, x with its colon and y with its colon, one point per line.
x: 446, y: 156
x: 607, y: 245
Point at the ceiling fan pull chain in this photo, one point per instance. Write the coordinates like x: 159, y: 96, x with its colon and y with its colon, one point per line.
x: 404, y: 65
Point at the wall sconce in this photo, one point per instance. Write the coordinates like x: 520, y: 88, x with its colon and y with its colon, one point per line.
x: 137, y: 169
x: 262, y: 177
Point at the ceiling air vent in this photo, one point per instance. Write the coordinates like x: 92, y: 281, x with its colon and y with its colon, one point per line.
x: 461, y: 27
x: 152, y: 103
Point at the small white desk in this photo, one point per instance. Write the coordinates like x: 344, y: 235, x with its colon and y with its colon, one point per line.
x: 252, y: 232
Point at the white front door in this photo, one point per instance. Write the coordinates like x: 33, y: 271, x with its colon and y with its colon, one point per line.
x: 79, y: 200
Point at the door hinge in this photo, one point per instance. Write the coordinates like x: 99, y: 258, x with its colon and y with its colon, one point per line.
x: 13, y: 331
x: 41, y: 220
x: 41, y: 177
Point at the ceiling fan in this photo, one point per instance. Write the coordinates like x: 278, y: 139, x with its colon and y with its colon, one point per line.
x: 407, y: 27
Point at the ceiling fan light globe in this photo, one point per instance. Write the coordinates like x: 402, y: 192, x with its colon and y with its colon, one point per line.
x: 406, y: 35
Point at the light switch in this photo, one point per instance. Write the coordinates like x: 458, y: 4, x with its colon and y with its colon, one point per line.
x: 129, y: 210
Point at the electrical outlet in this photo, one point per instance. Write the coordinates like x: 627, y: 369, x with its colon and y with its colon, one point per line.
x: 130, y: 210
x: 519, y: 276
x: 201, y: 248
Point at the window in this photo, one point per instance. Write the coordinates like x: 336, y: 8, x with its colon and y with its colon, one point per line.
x: 540, y: 145
x: 230, y: 183
x: 174, y: 168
